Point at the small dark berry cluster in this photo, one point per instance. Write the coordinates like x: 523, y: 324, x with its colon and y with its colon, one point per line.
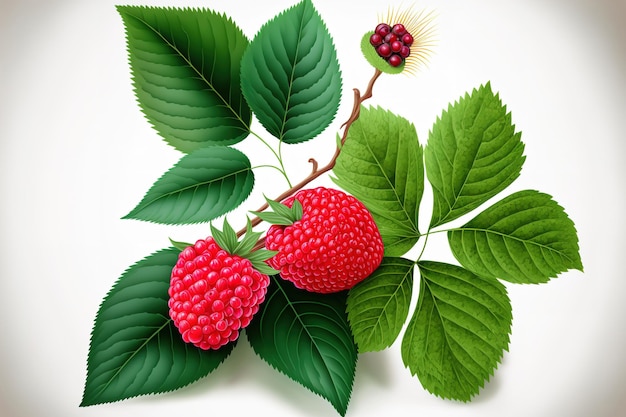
x: 393, y: 43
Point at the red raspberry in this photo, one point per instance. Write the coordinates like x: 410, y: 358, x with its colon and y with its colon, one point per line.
x: 213, y: 294
x: 334, y: 245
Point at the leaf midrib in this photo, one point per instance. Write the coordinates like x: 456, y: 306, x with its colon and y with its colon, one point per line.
x: 446, y: 338
x: 504, y: 235
x: 292, y: 76
x: 393, y: 296
x: 392, y: 187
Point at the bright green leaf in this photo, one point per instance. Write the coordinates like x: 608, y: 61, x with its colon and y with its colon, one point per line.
x: 459, y: 331
x: 306, y: 336
x: 135, y: 348
x: 203, y: 185
x: 291, y: 76
x: 378, y: 306
x: 186, y: 74
x: 472, y: 154
x: 381, y: 164
x: 524, y: 238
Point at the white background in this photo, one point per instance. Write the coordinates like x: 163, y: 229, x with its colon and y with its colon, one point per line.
x: 76, y: 154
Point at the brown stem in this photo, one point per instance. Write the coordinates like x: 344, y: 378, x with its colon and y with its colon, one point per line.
x: 316, y: 172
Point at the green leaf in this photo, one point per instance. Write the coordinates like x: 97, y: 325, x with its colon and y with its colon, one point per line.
x: 203, y: 185
x: 290, y: 75
x: 306, y: 336
x: 381, y: 164
x: 135, y: 348
x: 524, y: 238
x: 459, y: 331
x: 186, y: 74
x: 379, y: 305
x: 472, y: 154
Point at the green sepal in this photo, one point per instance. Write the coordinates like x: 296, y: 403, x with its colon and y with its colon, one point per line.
x: 249, y: 239
x: 227, y: 239
x: 181, y: 246
x: 281, y: 214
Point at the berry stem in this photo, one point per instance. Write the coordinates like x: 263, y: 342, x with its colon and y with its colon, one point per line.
x: 317, y: 171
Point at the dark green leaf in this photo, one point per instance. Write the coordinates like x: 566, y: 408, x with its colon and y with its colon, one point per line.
x: 135, y: 348
x: 186, y: 74
x: 378, y: 306
x: 525, y: 238
x: 290, y: 75
x: 459, y: 331
x: 203, y: 185
x: 472, y: 154
x: 306, y: 336
x: 381, y: 164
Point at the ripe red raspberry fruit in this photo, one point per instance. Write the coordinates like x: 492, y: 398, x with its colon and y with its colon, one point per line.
x: 333, y: 246
x: 214, y: 293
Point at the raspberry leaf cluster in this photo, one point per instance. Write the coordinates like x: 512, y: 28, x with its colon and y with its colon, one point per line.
x: 199, y: 81
x: 473, y: 153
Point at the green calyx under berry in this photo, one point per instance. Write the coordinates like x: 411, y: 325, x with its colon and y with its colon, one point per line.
x: 227, y: 240
x: 281, y: 214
